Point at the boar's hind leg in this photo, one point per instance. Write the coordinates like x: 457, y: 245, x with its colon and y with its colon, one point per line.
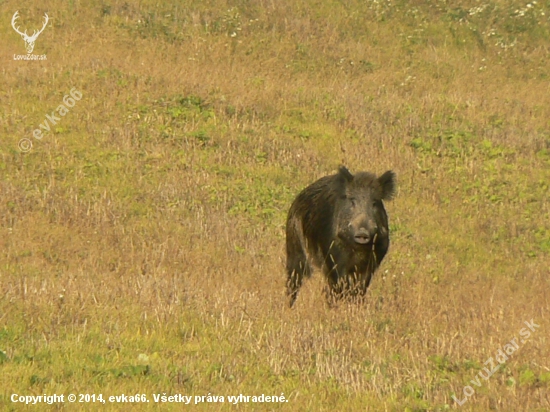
x: 297, y: 267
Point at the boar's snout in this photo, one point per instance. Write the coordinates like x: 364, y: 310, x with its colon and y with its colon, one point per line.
x: 363, y: 236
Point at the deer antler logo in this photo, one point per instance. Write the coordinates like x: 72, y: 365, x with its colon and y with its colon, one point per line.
x: 29, y: 40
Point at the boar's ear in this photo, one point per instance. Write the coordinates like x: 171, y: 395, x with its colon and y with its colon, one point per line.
x: 387, y: 184
x: 345, y: 174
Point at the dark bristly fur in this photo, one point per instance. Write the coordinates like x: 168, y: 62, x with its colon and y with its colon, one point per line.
x: 339, y: 224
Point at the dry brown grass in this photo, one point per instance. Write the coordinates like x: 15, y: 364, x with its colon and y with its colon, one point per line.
x: 142, y: 242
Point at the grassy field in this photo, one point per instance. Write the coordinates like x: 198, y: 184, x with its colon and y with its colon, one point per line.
x: 142, y: 237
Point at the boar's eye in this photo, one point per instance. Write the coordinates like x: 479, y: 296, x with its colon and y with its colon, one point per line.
x: 353, y: 201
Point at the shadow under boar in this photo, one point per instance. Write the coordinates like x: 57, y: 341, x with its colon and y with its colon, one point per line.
x: 339, y: 225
